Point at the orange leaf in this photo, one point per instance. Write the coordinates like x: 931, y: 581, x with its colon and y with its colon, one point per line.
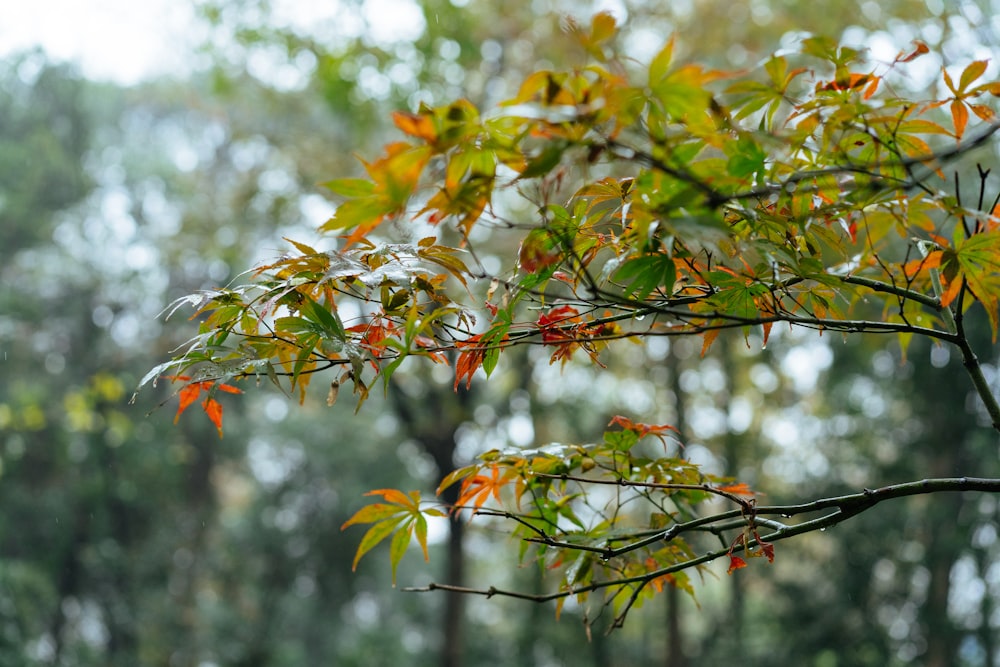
x: 872, y: 87
x: 213, y: 409
x: 415, y: 125
x: 707, y: 339
x: 960, y: 116
x: 640, y: 428
x: 767, y: 331
x: 394, y: 496
x: 478, y: 489
x: 984, y: 112
x: 767, y: 548
x: 915, y: 266
x: 187, y: 396
x: 602, y: 27
x: 469, y: 360
x: 190, y: 393
x: 950, y: 292
x: 740, y: 489
x: 852, y: 81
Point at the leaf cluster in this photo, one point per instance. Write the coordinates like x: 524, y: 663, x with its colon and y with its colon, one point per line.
x: 662, y: 200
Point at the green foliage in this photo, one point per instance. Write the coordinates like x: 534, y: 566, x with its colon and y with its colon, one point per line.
x: 671, y: 200
x: 400, y: 516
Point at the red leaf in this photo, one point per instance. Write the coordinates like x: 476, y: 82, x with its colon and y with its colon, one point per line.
x: 549, y: 323
x: 767, y: 548
x: 735, y: 563
x: 917, y: 52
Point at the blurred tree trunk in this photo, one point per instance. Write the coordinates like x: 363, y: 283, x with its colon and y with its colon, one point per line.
x: 948, y: 443
x: 434, y: 425
x: 674, y: 656
x: 454, y: 606
x: 732, y: 448
x: 944, y: 538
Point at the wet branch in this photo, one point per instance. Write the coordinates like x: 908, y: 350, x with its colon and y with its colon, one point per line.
x: 834, y: 511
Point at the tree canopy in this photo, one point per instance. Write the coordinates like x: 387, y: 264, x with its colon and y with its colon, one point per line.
x: 623, y: 202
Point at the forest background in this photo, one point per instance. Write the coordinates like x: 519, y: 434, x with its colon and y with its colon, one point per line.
x: 126, y: 540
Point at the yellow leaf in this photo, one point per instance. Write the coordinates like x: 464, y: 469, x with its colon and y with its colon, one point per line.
x: 602, y: 27
x: 971, y: 73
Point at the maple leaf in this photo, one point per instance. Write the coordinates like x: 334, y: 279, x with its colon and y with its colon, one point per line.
x: 760, y: 549
x: 190, y: 393
x: 478, y: 351
x: 477, y: 490
x: 469, y: 360
x: 538, y: 251
x: 551, y: 323
x: 849, y: 82
x: 735, y: 563
x: 416, y: 125
x: 642, y: 429
x: 400, y: 516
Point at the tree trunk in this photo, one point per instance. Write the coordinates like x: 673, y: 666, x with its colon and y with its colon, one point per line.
x: 675, y: 653
x: 674, y: 656
x: 454, y: 604
x: 435, y: 431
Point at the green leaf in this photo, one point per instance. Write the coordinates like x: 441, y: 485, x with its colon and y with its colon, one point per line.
x: 545, y: 161
x: 746, y: 157
x: 644, y: 275
x: 328, y: 321
x: 374, y: 535
x: 355, y: 213
x: 660, y: 64
x: 621, y: 441
x: 397, y: 548
x: 350, y: 187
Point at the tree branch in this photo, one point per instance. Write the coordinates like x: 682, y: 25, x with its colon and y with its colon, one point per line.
x: 901, y: 292
x: 844, y: 507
